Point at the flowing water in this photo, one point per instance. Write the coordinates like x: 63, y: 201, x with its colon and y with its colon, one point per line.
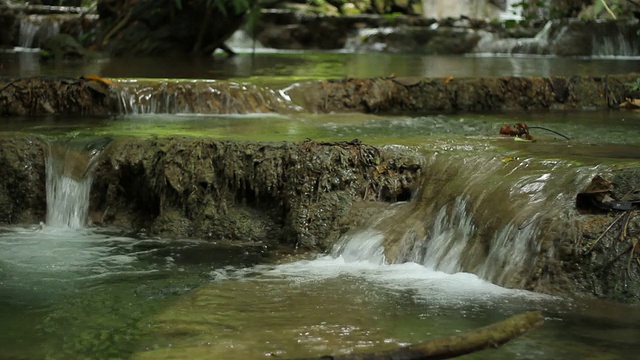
x: 284, y: 68
x: 73, y: 292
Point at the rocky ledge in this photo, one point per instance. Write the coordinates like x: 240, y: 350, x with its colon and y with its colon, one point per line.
x: 288, y: 193
x: 96, y: 96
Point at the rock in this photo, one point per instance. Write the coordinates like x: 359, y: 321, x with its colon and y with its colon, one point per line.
x: 293, y: 193
x: 95, y: 96
x: 22, y: 179
x: 56, y: 96
x: 62, y: 47
x: 167, y: 27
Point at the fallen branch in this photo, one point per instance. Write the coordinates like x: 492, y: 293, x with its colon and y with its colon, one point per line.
x: 486, y: 337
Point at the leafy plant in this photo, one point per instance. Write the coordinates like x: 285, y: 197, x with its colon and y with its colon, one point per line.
x: 634, y: 86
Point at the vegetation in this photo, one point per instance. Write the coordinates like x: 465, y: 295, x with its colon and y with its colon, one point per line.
x: 634, y: 86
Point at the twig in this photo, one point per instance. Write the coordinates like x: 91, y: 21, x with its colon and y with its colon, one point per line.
x: 609, y: 10
x: 631, y: 257
x: 616, y: 258
x: 629, y: 192
x: 625, y: 225
x: 203, y: 29
x: 588, y: 251
x: 550, y: 130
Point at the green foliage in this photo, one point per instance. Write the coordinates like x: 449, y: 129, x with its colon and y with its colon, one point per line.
x: 634, y: 86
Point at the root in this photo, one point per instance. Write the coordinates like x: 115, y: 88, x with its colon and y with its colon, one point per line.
x: 117, y: 27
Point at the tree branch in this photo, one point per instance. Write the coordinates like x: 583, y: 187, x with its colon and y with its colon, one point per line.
x: 486, y: 337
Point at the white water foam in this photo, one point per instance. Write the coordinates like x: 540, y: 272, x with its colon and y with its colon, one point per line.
x: 43, y: 262
x: 361, y: 256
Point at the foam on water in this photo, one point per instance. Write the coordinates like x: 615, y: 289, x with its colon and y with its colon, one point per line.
x: 46, y: 261
x: 361, y: 257
x: 425, y: 282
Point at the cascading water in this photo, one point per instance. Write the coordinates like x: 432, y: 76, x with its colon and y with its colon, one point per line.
x: 480, y: 215
x: 569, y: 37
x: 505, y: 9
x: 200, y: 97
x: 69, y: 177
x: 36, y: 28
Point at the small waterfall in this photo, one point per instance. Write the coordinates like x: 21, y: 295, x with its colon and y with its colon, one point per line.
x: 199, y: 97
x: 570, y: 37
x: 616, y: 38
x: 361, y: 246
x: 36, y: 28
x: 241, y: 41
x: 491, y: 9
x: 69, y: 169
x: 479, y: 215
x: 452, y: 230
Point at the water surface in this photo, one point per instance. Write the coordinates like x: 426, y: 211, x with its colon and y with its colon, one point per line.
x: 594, y: 136
x: 94, y: 294
x: 284, y: 68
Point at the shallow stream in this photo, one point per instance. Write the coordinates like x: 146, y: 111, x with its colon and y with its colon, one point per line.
x: 97, y: 293
x: 91, y: 293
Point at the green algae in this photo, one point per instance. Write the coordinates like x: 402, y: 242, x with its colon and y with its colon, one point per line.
x: 595, y: 136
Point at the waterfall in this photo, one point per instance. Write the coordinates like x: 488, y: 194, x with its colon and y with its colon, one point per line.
x: 476, y: 214
x: 69, y: 168
x: 241, y: 41
x: 36, y: 28
x: 492, y: 9
x: 199, y: 97
x: 570, y: 37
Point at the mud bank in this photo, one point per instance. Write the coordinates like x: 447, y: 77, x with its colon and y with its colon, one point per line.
x: 48, y: 96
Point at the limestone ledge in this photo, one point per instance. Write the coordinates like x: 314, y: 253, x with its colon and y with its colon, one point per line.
x: 182, y: 187
x: 285, y: 195
x: 91, y: 96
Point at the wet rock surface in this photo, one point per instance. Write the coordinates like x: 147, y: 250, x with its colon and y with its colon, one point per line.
x: 288, y: 193
x: 95, y: 96
x: 606, y: 257
x: 48, y: 96
x: 397, y: 95
x: 307, y: 195
x: 292, y: 193
x: 22, y: 179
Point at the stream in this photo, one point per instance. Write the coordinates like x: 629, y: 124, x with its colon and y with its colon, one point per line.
x: 70, y: 291
x: 101, y: 293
